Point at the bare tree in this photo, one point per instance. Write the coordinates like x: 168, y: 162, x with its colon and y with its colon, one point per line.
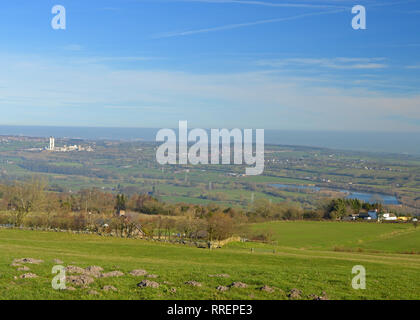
x: 26, y: 197
x: 220, y: 226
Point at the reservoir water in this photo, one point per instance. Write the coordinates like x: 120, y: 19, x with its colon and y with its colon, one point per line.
x: 363, y: 196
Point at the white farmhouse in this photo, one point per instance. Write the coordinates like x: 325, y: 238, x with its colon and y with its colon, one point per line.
x: 388, y: 217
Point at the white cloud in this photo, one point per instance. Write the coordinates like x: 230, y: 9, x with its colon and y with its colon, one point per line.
x: 101, y: 60
x: 55, y: 93
x: 333, y: 63
x: 73, y: 47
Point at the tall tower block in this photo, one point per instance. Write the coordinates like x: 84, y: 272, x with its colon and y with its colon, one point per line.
x: 52, y: 144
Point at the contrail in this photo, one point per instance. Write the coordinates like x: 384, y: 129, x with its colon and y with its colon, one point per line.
x: 267, y: 4
x: 253, y: 2
x: 241, y: 25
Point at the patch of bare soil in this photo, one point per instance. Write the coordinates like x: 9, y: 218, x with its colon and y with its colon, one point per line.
x: 80, y: 281
x: 193, y: 283
x: 138, y: 273
x: 28, y: 276
x: 75, y: 269
x: 238, y: 285
x: 27, y: 260
x: 323, y: 296
x: 112, y: 274
x: 148, y: 284
x: 109, y: 288
x: 94, y: 271
x: 295, y: 294
x: 267, y: 289
x: 222, y: 288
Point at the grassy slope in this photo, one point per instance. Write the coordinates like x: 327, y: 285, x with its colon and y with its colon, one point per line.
x: 386, y: 237
x: 312, y: 271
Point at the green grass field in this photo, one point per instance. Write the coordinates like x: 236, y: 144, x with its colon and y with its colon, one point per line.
x: 384, y: 237
x: 303, y: 258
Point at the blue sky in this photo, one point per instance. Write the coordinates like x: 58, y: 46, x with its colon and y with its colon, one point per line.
x: 292, y: 65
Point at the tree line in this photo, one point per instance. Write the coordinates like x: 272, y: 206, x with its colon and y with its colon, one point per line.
x: 32, y: 203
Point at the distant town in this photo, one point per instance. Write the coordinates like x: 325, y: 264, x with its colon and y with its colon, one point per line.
x: 38, y: 144
x: 65, y: 148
